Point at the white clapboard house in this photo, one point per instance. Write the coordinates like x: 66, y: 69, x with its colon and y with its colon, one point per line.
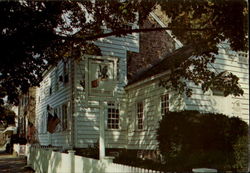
x: 95, y: 102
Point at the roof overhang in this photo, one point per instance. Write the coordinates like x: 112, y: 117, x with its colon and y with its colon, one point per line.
x: 147, y: 80
x: 10, y: 129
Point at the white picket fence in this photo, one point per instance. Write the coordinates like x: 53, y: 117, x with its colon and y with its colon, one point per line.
x: 20, y: 149
x: 47, y: 161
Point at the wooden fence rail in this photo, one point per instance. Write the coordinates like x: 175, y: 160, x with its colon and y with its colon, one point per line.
x: 45, y: 160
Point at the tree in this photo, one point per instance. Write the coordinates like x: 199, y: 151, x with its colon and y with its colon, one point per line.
x: 190, y: 139
x: 7, y: 116
x: 34, y: 35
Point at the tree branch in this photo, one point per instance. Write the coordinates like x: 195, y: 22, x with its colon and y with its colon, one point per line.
x: 125, y: 32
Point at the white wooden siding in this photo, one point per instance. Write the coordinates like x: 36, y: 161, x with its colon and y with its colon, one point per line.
x: 150, y: 94
x: 56, y: 99
x: 87, y: 108
x: 87, y: 128
x: 226, y: 60
x: 118, y: 47
x: 205, y: 102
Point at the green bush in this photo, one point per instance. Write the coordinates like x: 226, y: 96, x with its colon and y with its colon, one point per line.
x: 189, y: 139
x: 130, y: 157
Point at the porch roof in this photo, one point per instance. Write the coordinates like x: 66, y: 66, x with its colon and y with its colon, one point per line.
x: 164, y: 64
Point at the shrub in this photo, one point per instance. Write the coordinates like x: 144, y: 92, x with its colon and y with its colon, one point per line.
x: 189, y: 139
x: 91, y: 152
x: 130, y: 157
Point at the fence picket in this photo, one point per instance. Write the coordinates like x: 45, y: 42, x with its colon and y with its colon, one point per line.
x: 39, y: 160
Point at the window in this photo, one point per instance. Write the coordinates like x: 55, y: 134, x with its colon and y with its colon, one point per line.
x: 127, y: 26
x: 22, y: 126
x: 64, y: 117
x: 43, y: 124
x: 243, y: 57
x: 140, y: 115
x: 56, y: 79
x: 164, y: 104
x: 118, y: 69
x: 59, y: 115
x: 113, y: 116
x: 55, y: 112
x: 50, y: 90
x: 217, y: 92
x: 65, y: 72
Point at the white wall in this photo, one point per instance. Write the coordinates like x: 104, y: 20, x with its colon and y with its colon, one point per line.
x: 150, y: 94
x: 88, y: 108
x: 232, y: 106
x: 55, y: 100
x: 87, y: 101
x: 85, y: 107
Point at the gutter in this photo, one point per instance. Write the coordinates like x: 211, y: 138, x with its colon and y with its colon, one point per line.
x: 149, y: 79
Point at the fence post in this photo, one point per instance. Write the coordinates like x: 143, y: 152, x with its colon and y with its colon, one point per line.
x: 105, y: 162
x: 18, y: 149
x: 72, y: 160
x: 28, y: 154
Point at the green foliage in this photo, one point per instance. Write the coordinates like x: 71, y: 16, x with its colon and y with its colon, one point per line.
x: 189, y: 139
x: 213, y: 18
x: 36, y: 34
x: 92, y: 151
x: 7, y: 116
x: 130, y: 157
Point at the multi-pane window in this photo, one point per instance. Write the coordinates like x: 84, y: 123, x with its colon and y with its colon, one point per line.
x: 113, y: 116
x: 243, y: 57
x: 164, y: 104
x: 140, y: 115
x: 64, y: 117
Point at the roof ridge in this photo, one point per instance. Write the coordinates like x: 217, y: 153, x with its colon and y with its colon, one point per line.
x: 154, y: 69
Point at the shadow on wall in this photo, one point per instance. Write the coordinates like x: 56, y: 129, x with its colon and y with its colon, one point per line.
x: 150, y: 95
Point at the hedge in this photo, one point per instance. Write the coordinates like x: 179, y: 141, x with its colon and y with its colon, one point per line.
x: 190, y: 139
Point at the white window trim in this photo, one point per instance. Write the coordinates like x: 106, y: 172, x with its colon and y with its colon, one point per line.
x: 43, y: 123
x: 66, y: 71
x: 116, y: 106
x: 143, y: 116
x: 167, y: 101
x: 56, y: 79
x: 66, y: 116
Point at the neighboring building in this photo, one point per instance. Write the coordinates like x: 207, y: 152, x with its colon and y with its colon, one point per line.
x: 2, y: 136
x: 88, y: 100
x: 26, y: 115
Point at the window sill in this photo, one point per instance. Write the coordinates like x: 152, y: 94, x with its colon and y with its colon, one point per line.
x: 113, y: 129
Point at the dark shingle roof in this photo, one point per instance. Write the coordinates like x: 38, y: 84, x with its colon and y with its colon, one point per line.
x: 164, y: 64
